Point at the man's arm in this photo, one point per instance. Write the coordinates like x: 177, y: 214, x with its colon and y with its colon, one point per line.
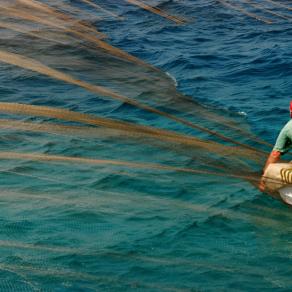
x: 275, y: 155
x: 279, y: 148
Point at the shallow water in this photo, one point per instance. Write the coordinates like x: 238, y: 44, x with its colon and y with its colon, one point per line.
x: 103, y: 227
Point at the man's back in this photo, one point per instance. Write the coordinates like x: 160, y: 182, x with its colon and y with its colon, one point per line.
x: 284, y: 140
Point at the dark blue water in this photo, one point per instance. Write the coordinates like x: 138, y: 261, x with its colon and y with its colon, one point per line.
x: 79, y: 227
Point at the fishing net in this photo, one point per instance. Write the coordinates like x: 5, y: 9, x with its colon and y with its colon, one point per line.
x: 110, y: 119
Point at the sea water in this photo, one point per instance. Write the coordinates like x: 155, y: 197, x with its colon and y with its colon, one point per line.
x: 74, y: 227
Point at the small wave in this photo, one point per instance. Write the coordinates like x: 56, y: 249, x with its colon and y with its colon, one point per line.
x: 173, y: 79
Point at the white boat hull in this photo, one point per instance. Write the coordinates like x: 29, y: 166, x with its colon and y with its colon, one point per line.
x: 278, y: 181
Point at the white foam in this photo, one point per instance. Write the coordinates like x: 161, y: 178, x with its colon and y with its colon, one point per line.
x: 172, y: 77
x: 242, y: 113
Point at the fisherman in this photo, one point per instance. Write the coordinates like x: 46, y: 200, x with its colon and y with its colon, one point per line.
x: 283, y: 144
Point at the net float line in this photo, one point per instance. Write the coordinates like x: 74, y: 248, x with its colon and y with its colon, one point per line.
x: 20, y: 29
x: 156, y: 11
x: 276, y: 3
x: 98, y: 7
x: 245, y: 12
x: 84, y: 26
x: 12, y: 12
x: 267, y: 10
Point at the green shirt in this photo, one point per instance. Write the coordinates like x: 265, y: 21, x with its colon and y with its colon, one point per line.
x: 284, y: 140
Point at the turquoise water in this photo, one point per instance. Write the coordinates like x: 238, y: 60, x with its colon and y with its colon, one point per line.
x: 88, y: 227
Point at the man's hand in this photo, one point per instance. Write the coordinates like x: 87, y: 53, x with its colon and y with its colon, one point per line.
x: 262, y: 185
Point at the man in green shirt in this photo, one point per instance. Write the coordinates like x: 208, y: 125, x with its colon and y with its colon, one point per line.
x: 283, y: 144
